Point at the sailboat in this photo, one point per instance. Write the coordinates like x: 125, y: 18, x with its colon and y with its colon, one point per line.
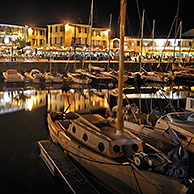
x: 117, y: 158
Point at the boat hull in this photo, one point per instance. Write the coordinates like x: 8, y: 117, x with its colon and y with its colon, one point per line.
x: 118, y: 177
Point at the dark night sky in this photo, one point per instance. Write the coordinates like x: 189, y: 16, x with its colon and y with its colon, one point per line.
x: 40, y: 13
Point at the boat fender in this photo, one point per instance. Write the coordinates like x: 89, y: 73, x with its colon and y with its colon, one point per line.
x: 142, y: 160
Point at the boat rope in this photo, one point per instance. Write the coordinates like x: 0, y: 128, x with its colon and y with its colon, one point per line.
x: 129, y: 163
x: 138, y: 185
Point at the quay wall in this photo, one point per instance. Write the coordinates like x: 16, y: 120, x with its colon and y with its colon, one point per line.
x: 64, y: 66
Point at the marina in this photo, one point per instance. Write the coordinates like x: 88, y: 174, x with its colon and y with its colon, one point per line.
x: 87, y: 107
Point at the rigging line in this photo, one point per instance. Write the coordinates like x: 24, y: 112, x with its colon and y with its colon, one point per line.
x: 138, y: 185
x: 165, y: 45
x: 129, y: 28
x: 177, y: 13
x: 117, y: 27
x: 169, y: 103
x: 146, y: 16
x: 139, y: 15
x: 96, y: 14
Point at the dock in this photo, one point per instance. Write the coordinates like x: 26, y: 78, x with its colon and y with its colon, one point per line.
x: 59, y: 164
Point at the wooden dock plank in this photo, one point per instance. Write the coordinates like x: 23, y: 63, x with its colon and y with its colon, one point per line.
x: 58, y: 162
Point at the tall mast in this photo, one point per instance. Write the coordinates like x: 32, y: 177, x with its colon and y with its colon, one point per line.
x: 180, y: 36
x: 121, y: 67
x: 153, y: 31
x: 142, y: 25
x: 91, y: 24
x: 109, y: 39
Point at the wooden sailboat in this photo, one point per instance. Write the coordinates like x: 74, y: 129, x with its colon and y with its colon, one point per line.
x: 117, y: 158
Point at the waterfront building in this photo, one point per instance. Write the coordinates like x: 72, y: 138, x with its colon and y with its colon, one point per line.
x: 10, y: 33
x: 159, y: 46
x: 63, y: 35
x: 37, y: 37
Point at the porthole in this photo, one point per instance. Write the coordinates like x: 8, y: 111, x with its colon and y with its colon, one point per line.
x: 85, y: 137
x: 74, y: 129
x: 135, y: 147
x: 101, y: 146
x: 116, y: 148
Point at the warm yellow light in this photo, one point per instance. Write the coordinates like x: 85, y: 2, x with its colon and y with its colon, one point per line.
x: 29, y: 104
x: 67, y: 26
x: 106, y: 32
x: 30, y: 30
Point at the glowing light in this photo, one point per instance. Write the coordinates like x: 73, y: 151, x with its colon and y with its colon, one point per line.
x: 30, y: 30
x: 132, y: 43
x: 30, y: 103
x: 106, y: 32
x: 67, y: 26
x: 72, y: 90
x: 6, y: 40
x: 7, y: 98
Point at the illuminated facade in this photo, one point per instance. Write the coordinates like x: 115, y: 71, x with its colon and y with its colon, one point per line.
x: 10, y: 33
x: 70, y: 35
x: 37, y: 37
x: 157, y: 46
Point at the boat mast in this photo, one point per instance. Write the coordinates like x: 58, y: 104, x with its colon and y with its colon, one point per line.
x: 142, y: 25
x: 109, y: 39
x: 153, y: 31
x: 180, y: 36
x: 121, y: 68
x: 91, y: 24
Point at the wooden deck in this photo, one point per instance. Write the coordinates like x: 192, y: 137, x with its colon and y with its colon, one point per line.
x: 59, y: 163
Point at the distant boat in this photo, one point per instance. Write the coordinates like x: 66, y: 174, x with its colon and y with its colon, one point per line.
x: 12, y: 76
x: 128, y: 78
x: 184, y: 76
x: 53, y: 77
x: 158, y: 77
x: 97, y: 79
x: 35, y: 76
x: 78, y: 78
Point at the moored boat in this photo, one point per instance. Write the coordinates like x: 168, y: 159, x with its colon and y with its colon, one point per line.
x: 35, y: 76
x: 78, y: 78
x: 12, y: 76
x: 53, y: 77
x: 120, y: 161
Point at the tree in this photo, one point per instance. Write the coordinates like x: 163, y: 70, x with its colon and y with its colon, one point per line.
x: 21, y: 43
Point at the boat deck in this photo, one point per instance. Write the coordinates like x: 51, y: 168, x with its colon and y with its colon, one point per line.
x: 104, y: 126
x: 58, y: 163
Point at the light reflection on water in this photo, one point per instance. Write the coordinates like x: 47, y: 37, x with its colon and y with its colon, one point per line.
x: 80, y: 100
x: 56, y: 100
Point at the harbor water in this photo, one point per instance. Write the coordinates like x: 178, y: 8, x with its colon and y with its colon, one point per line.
x: 23, y: 113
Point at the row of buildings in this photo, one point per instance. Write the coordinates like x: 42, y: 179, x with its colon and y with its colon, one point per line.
x: 66, y: 36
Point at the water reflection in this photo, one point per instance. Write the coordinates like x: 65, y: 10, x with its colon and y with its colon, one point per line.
x: 11, y: 101
x: 78, y: 100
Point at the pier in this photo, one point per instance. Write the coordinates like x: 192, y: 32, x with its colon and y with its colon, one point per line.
x: 59, y: 164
